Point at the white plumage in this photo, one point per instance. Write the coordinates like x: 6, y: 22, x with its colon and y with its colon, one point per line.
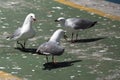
x: 25, y: 32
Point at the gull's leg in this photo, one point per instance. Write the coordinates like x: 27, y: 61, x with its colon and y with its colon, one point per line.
x: 72, y: 37
x: 20, y: 44
x: 24, y: 43
x: 53, y: 59
x: 47, y: 58
x: 77, y: 36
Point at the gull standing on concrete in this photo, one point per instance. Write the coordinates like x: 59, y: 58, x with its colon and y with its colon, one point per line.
x: 25, y: 32
x: 75, y: 24
x: 52, y: 47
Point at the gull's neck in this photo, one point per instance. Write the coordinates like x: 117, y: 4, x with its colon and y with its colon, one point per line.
x: 56, y: 37
x: 27, y: 22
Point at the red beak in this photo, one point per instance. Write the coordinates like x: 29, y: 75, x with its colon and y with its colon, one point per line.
x: 34, y: 19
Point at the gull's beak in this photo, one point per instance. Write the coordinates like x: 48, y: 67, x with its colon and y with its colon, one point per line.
x: 56, y: 20
x: 34, y: 19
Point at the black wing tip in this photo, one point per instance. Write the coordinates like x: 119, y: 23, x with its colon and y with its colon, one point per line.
x: 8, y: 37
x: 95, y: 22
x: 38, y: 51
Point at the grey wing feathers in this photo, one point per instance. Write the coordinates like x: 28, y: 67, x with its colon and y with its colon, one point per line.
x: 82, y: 23
x: 16, y: 33
x: 50, y: 47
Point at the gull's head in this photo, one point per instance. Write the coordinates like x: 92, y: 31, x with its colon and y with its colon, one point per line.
x: 31, y: 16
x: 57, y: 35
x: 60, y: 19
x: 62, y: 33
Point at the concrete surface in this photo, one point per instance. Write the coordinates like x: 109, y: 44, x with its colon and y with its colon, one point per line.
x: 102, y: 5
x: 96, y: 55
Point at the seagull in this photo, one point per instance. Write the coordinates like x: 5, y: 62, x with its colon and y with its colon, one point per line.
x: 52, y: 47
x: 75, y: 24
x: 25, y: 32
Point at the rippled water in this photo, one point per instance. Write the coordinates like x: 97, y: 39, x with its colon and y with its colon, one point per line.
x: 115, y: 1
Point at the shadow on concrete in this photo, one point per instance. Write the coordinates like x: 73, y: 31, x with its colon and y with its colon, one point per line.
x: 87, y: 40
x: 51, y: 65
x: 28, y: 50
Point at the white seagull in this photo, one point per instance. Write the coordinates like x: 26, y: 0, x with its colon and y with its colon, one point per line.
x: 52, y: 47
x: 75, y: 24
x: 25, y: 32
